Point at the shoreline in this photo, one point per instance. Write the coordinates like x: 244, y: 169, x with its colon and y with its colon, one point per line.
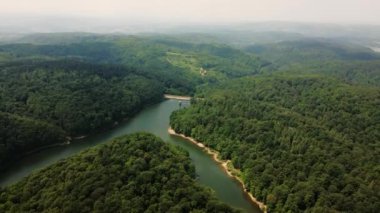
x: 44, y: 148
x: 224, y: 164
x: 73, y: 139
x: 177, y: 97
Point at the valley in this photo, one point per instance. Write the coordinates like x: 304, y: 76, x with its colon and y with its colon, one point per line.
x: 273, y: 124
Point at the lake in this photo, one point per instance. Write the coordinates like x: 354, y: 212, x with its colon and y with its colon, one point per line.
x: 153, y: 119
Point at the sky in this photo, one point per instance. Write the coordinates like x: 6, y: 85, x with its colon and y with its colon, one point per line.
x: 201, y: 11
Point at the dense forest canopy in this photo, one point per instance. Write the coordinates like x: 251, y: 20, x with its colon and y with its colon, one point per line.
x: 76, y: 96
x: 313, y: 50
x: 19, y: 135
x: 134, y: 173
x: 303, y: 143
x: 175, y: 63
x: 350, y: 62
x: 66, y: 96
x: 88, y: 84
x: 298, y: 116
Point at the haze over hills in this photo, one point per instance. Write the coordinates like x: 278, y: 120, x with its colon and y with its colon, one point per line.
x: 238, y: 34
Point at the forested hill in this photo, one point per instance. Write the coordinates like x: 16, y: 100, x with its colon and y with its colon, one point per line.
x: 175, y: 63
x: 304, y: 130
x: 78, y: 97
x: 303, y: 143
x: 134, y: 173
x: 312, y: 50
x: 85, y: 85
x: 67, y: 96
x: 20, y: 135
x: 350, y: 62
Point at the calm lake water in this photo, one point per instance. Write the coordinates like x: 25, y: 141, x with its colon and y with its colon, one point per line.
x: 154, y: 119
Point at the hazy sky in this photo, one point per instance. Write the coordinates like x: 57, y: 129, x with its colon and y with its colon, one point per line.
x: 336, y: 11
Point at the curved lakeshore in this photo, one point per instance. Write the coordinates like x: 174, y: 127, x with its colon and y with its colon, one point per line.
x: 45, y: 147
x: 223, y: 163
x: 154, y: 119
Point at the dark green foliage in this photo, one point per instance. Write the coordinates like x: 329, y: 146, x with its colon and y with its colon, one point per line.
x: 68, y: 95
x: 306, y: 50
x: 19, y: 135
x: 77, y: 97
x: 135, y: 173
x: 303, y: 143
x: 83, y: 87
x: 351, y: 63
x: 353, y: 72
x: 150, y: 56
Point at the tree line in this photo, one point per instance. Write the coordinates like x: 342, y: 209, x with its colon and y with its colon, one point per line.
x: 303, y: 143
x: 66, y: 96
x: 133, y: 173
